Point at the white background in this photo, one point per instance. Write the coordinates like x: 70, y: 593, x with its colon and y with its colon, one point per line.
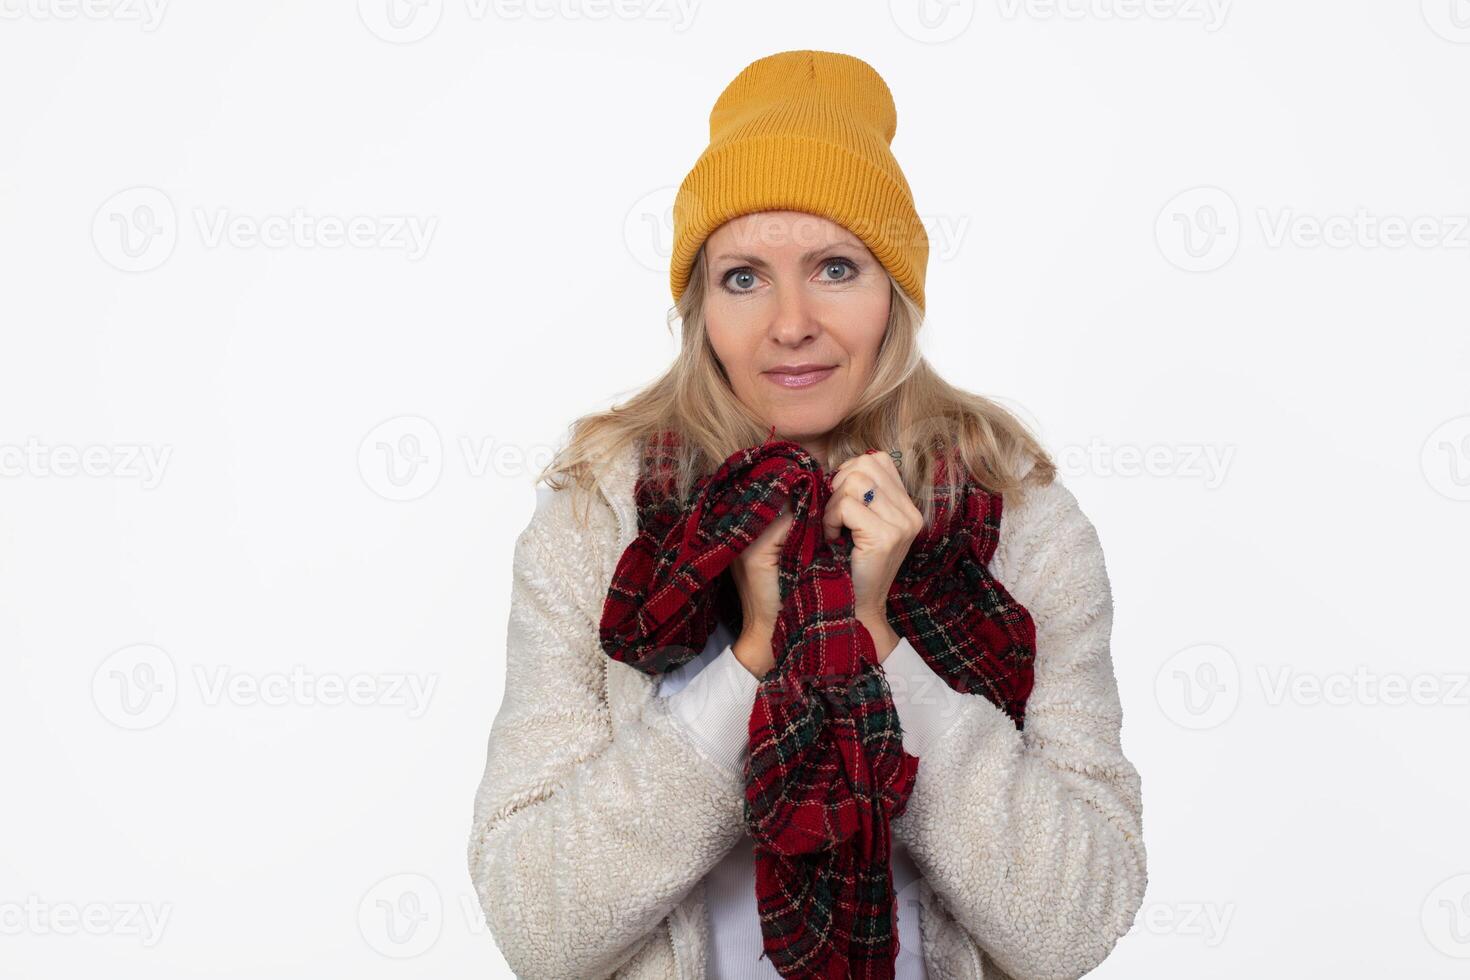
x: 1217, y: 255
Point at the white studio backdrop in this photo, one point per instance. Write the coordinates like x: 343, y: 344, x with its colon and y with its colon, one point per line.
x: 295, y: 300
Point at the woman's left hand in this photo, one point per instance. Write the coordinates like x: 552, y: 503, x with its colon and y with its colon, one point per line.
x: 881, y: 534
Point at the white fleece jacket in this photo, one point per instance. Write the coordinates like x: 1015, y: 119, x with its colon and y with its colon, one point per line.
x: 599, y: 812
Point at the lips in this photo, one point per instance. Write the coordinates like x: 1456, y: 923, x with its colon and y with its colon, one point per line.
x: 800, y: 375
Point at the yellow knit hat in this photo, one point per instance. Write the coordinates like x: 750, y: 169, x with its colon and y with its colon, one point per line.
x: 804, y: 131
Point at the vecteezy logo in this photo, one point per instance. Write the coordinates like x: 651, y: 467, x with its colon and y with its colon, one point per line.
x: 401, y: 916
x: 1450, y: 19
x: 401, y: 21
x: 1198, y: 687
x: 932, y: 21
x: 648, y: 229
x: 1445, y: 458
x: 1446, y: 917
x: 401, y: 459
x: 135, y: 230
x: 136, y: 687
x: 1199, y: 229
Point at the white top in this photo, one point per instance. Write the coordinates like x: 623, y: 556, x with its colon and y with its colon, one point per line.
x: 717, y: 703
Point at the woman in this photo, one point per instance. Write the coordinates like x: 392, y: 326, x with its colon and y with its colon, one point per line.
x: 614, y: 828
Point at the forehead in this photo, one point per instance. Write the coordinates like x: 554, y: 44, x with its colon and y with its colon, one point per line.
x: 775, y: 233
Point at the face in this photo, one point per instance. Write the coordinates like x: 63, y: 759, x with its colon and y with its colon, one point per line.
x: 796, y: 307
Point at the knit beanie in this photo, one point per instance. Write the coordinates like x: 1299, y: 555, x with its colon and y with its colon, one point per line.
x: 804, y: 131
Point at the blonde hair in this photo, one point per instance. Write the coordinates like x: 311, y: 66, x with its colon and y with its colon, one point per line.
x: 906, y: 406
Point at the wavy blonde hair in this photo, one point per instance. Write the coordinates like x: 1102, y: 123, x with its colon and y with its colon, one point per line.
x: 906, y: 406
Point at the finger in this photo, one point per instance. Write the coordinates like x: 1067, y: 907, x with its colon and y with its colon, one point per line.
x: 851, y: 513
x: 848, y: 510
x: 881, y: 460
x: 858, y: 480
x: 883, y: 475
x: 890, y: 510
x: 885, y: 478
x: 890, y: 503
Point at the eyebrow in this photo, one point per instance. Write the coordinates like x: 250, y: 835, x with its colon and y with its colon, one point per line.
x: 805, y: 257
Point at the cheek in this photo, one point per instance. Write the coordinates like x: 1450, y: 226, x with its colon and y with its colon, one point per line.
x: 864, y: 348
x: 868, y: 322
x: 732, y: 354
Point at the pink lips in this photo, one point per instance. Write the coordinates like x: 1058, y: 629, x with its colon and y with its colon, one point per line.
x: 804, y: 379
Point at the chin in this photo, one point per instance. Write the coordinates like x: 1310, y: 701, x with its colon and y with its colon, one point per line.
x: 802, y: 430
x: 798, y: 423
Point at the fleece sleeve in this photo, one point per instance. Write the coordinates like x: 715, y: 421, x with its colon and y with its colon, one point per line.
x: 1033, y: 839
x: 583, y: 840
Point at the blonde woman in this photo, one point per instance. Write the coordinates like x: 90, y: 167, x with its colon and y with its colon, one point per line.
x: 808, y: 668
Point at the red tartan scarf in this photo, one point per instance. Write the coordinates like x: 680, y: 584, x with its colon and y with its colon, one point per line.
x: 827, y: 771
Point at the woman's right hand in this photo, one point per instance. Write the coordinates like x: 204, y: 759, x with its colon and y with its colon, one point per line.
x: 754, y: 571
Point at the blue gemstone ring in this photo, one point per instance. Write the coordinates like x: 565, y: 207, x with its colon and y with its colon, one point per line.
x: 868, y: 497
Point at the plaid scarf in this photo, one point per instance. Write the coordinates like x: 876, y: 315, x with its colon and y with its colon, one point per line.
x: 827, y: 771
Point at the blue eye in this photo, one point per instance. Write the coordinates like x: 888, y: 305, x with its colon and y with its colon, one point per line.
x: 838, y: 263
x: 744, y: 273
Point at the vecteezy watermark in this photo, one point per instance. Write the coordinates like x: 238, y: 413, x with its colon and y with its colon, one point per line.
x: 1210, y: 14
x: 1445, y: 458
x: 401, y: 916
x: 402, y: 458
x: 144, y: 921
x: 401, y: 21
x: 648, y: 230
x: 137, y: 687
x: 1450, y: 19
x: 937, y: 21
x: 122, y: 460
x: 148, y: 14
x: 1445, y: 916
x: 1198, y: 230
x: 136, y: 230
x: 1362, y: 686
x: 1198, y: 687
x: 932, y: 21
x: 408, y: 233
x: 1205, y: 462
x: 1206, y: 921
x: 299, y: 686
x: 406, y: 21
x: 1363, y: 229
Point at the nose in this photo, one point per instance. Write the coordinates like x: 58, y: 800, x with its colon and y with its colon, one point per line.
x: 792, y: 322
